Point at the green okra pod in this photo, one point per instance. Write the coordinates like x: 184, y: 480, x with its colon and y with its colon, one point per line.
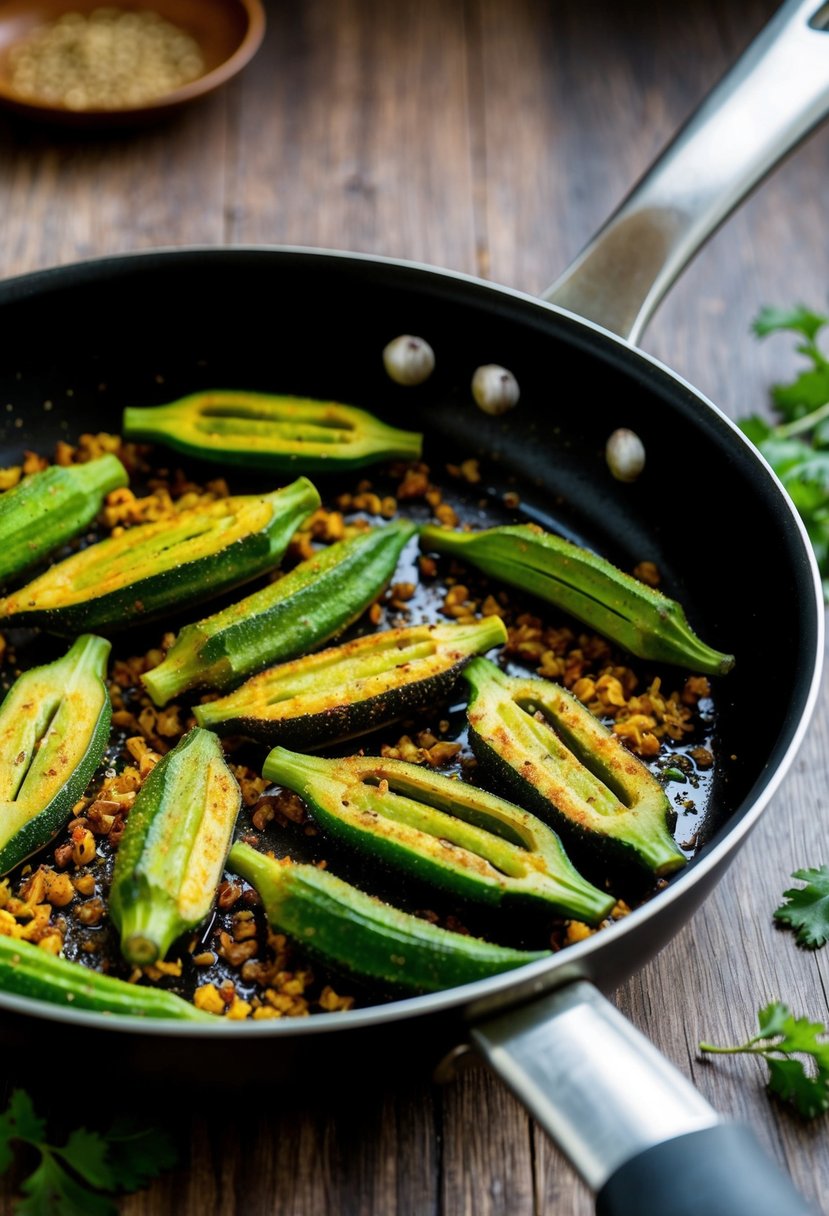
x: 311, y: 604
x: 171, y: 563
x: 620, y: 607
x: 271, y: 431
x: 172, y: 853
x: 54, y: 729
x: 48, y: 508
x: 362, y: 935
x: 441, y: 830
x: 540, y: 743
x: 352, y: 689
x: 28, y: 971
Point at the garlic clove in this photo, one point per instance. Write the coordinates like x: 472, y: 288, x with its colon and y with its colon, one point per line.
x: 625, y: 454
x: 408, y: 359
x: 495, y: 389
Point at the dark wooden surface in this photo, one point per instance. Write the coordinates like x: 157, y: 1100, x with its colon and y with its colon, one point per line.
x: 490, y: 136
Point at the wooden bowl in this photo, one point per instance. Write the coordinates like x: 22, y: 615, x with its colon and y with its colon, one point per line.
x: 228, y: 32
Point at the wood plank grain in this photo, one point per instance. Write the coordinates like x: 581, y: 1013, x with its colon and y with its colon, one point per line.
x: 66, y: 196
x: 487, y: 1167
x: 364, y: 106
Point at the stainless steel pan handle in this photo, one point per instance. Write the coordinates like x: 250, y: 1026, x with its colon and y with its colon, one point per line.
x: 639, y: 1134
x: 637, y: 1131
x: 771, y: 99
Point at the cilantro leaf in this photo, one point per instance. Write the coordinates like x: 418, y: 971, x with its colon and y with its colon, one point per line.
x: 797, y: 446
x: 805, y: 394
x: 781, y: 1041
x: 136, y: 1154
x: 51, y: 1191
x: 789, y: 1081
x: 18, y: 1122
x: 80, y: 1177
x: 86, y: 1152
x: 798, y: 319
x: 807, y: 909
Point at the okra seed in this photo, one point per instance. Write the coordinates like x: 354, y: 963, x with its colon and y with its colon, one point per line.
x: 625, y: 454
x: 409, y: 360
x: 495, y: 389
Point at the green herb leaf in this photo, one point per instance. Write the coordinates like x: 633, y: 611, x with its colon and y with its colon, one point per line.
x: 79, y: 1177
x: 806, y: 393
x: 86, y: 1152
x: 789, y: 1081
x: 781, y: 1041
x: 137, y: 1154
x: 799, y: 319
x: 796, y: 446
x: 51, y: 1191
x: 807, y: 909
x: 18, y: 1122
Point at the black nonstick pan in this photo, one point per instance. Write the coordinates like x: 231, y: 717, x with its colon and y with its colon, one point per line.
x: 82, y: 341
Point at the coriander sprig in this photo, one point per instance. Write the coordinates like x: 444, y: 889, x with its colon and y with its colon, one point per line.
x: 80, y: 1177
x: 797, y: 446
x: 807, y: 908
x: 781, y: 1041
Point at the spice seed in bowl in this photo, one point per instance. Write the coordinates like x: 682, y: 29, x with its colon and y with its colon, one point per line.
x: 109, y: 59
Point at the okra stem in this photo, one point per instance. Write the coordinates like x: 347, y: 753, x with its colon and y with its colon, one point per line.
x: 620, y: 607
x: 364, y: 936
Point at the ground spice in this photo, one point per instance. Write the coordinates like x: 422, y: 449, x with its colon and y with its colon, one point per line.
x: 110, y: 59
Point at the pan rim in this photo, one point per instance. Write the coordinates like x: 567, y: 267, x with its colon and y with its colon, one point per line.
x: 568, y: 964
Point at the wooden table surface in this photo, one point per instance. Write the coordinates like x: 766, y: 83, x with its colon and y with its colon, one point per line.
x: 492, y: 137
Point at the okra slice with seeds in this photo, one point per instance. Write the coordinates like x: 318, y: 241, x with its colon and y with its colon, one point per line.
x: 48, y: 508
x: 271, y: 431
x: 171, y: 563
x: 54, y: 729
x: 593, y: 590
x: 363, y: 936
x: 172, y: 853
x: 548, y: 750
x: 311, y: 604
x: 26, y: 970
x: 352, y: 689
x: 441, y: 830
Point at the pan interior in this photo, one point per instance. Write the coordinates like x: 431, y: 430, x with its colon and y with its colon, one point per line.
x: 84, y: 342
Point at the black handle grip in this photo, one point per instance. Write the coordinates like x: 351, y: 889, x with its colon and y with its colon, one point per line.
x: 719, y: 1171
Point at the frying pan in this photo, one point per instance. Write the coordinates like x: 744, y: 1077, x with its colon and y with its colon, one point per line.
x: 82, y: 340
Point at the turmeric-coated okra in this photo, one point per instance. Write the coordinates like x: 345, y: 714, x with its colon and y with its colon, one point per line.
x: 548, y: 750
x: 271, y: 431
x: 49, y: 507
x: 309, y: 605
x: 54, y: 729
x: 167, y: 564
x: 352, y: 689
x: 172, y: 853
x: 364, y: 936
x: 645, y: 621
x: 439, y: 829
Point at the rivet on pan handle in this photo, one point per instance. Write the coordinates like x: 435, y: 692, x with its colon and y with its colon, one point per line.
x: 641, y: 1136
x: 771, y: 99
